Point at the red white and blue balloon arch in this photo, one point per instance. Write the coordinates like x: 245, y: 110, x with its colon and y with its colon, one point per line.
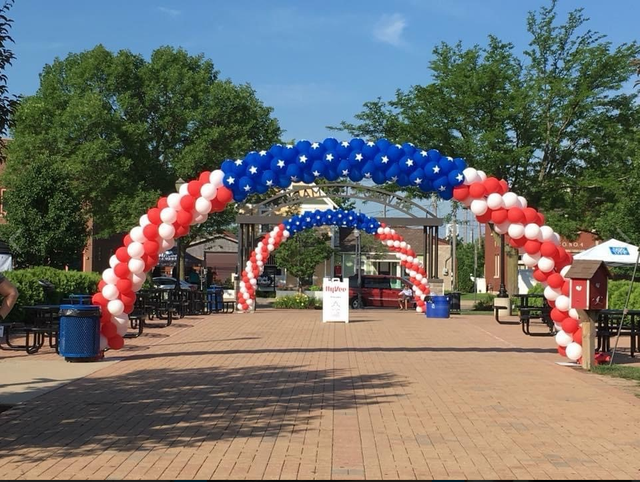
x: 487, y: 197
x: 338, y: 217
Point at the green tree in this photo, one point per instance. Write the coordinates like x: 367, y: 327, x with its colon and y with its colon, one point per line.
x: 465, y: 256
x: 553, y: 121
x: 302, y: 253
x: 8, y: 103
x: 125, y: 128
x: 45, y: 220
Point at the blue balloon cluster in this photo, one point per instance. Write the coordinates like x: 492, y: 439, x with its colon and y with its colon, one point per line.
x: 379, y: 161
x: 336, y: 217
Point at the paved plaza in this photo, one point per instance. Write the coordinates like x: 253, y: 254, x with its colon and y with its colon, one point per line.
x: 279, y: 395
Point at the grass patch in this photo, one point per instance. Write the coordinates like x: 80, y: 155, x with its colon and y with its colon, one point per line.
x: 619, y: 371
x: 478, y: 296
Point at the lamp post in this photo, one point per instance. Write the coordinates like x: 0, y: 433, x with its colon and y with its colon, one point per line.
x: 356, y: 233
x: 502, y: 293
x: 178, y: 184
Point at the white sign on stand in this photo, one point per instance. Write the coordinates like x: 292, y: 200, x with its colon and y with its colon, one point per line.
x: 335, y: 300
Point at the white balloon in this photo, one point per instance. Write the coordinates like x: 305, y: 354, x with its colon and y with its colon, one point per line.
x: 418, y: 277
x: 478, y: 207
x: 246, y: 296
x: 409, y: 259
x: 419, y: 309
x: 168, y: 215
x: 208, y: 191
x: 109, y: 276
x: 166, y: 231
x: 250, y: 302
x: 199, y: 218
x: 113, y: 261
x: 546, y: 264
x: 110, y: 292
x: 389, y: 242
x: 530, y: 260
x: 564, y: 271
x: 115, y: 307
x: 523, y: 202
x: 203, y: 205
x: 137, y: 234
x: 136, y: 265
x: 403, y: 257
x: 138, y: 277
x: 144, y: 220
x: 556, y: 326
x: 573, y: 313
x: 574, y: 351
x: 253, y: 282
x: 482, y: 176
x: 136, y: 286
x: 380, y: 230
x: 396, y: 244
x: 546, y: 233
x: 286, y: 234
x: 516, y: 231
x: 532, y: 231
x: 551, y: 294
x: 470, y: 175
x: 403, y: 244
x: 240, y: 307
x: 250, y: 275
x: 216, y: 178
x: 184, y: 189
x: 167, y: 244
x: 121, y: 327
x: 494, y: 201
x: 104, y: 343
x: 563, y: 339
x: 135, y: 249
x: 502, y: 228
x: 387, y: 230
x: 563, y: 303
x: 173, y: 200
x: 510, y: 199
x: 556, y: 239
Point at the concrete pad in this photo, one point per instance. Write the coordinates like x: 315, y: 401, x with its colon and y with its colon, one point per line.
x: 23, y: 379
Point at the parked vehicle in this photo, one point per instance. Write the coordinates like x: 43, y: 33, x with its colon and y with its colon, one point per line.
x: 377, y: 290
x: 168, y: 283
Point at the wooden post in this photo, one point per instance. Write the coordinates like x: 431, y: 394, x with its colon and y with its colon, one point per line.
x: 589, y: 319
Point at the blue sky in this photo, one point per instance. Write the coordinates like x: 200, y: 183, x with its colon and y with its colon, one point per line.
x: 315, y: 63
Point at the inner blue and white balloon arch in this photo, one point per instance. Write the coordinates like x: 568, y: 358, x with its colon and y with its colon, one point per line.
x: 381, y: 161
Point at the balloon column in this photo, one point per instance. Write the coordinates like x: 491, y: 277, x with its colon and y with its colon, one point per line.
x: 380, y: 161
x: 307, y: 220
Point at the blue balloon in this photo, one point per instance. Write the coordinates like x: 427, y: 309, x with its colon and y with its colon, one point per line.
x: 330, y: 143
x: 355, y: 174
x: 331, y: 175
x: 278, y: 165
x: 392, y: 173
x: 368, y: 169
x: 426, y: 186
x: 293, y: 172
x: 269, y: 179
x: 239, y: 196
x: 316, y: 151
x: 357, y: 158
x: 441, y: 184
x: 230, y: 181
x: 227, y: 166
x: 409, y: 149
x: 331, y: 158
x: 446, y: 165
x: 421, y: 157
x: 343, y: 149
x: 343, y: 168
x: 239, y: 167
x: 383, y: 144
x: 433, y: 170
x: 318, y: 169
x: 289, y: 153
x: 246, y: 185
x: 303, y: 146
x: 447, y: 193
x: 308, y: 177
x: 382, y: 161
x: 379, y: 177
x: 356, y: 144
x: 461, y: 165
x: 261, y: 188
x: 455, y: 178
x: 434, y: 155
x: 284, y: 181
x: 254, y: 171
x: 304, y: 161
x: 417, y: 177
x: 403, y: 179
x: 407, y: 165
x: 276, y: 150
x: 370, y: 150
x: 395, y: 152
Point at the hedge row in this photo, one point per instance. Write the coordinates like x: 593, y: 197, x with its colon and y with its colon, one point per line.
x: 64, y: 283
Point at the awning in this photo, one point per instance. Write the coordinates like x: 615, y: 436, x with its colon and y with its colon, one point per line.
x: 169, y: 258
x: 612, y: 252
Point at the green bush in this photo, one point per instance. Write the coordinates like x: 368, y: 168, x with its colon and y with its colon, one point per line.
x: 485, y: 304
x: 297, y: 302
x: 64, y: 282
x: 618, y: 294
x: 315, y: 288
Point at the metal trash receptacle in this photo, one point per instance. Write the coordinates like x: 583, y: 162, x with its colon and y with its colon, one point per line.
x: 79, y: 338
x: 438, y: 307
x: 454, y: 302
x: 215, y: 298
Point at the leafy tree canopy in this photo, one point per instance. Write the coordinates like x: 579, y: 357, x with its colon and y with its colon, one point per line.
x: 303, y: 252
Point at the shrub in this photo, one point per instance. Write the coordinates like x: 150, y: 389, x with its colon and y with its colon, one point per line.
x: 297, y: 302
x: 315, y: 288
x: 484, y: 304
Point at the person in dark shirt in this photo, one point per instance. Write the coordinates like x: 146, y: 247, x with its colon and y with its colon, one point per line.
x: 9, y: 295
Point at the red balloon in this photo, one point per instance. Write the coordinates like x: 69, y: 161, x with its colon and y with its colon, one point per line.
x: 128, y: 297
x: 150, y: 232
x: 187, y: 202
x: 548, y: 249
x: 162, y: 203
x: 245, y: 306
x: 151, y: 247
x: 532, y: 246
x: 499, y: 216
x: 105, y: 316
x: 569, y: 325
x: 461, y: 192
x: 491, y: 184
x: 204, y: 177
x: 184, y: 218
x: 154, y: 216
x: 128, y: 308
x: 108, y: 329
x: 577, y: 336
x: 555, y: 280
x: 122, y: 255
x: 122, y: 270
x: 557, y: 315
x: 194, y: 188
x: 149, y: 262
x: 101, y: 284
x: 484, y: 218
x: 124, y: 285
x: 127, y: 240
x: 477, y: 190
x: 98, y: 299
x: 566, y: 288
x: 562, y: 350
x: 181, y: 230
x: 561, y: 256
x: 540, y: 276
x: 540, y: 220
x: 504, y: 185
x: 530, y: 215
x: 551, y: 303
x: 216, y: 205
x: 516, y: 215
x: 518, y: 243
x: 116, y: 342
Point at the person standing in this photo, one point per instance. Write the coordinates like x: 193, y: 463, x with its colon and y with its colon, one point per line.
x: 9, y: 295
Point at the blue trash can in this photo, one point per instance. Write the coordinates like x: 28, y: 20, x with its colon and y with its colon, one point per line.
x: 438, y: 307
x: 214, y: 298
x: 80, y: 299
x: 79, y: 332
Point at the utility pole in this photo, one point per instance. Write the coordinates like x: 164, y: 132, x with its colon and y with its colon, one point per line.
x: 454, y: 242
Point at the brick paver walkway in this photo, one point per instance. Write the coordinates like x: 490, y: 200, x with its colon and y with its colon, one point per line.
x: 278, y: 394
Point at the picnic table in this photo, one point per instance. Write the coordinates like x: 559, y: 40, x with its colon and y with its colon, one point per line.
x: 42, y: 323
x: 608, y: 322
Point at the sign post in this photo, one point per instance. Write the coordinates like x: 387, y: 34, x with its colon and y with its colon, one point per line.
x: 335, y: 300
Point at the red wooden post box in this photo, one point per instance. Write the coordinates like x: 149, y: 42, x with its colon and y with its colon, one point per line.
x: 588, y: 285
